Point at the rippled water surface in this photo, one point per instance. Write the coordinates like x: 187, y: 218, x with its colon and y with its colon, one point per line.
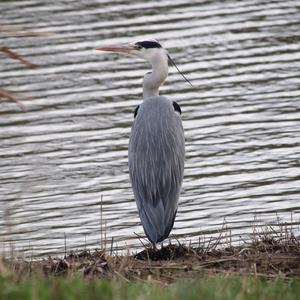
x: 241, y: 118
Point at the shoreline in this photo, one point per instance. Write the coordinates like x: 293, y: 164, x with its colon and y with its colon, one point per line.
x: 266, y: 256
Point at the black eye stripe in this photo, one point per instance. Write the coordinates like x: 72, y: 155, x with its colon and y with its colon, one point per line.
x: 177, y: 107
x: 149, y: 44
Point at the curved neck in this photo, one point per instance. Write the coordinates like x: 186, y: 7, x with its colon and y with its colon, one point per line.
x: 153, y: 80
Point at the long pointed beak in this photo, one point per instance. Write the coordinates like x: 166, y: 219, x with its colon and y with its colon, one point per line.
x: 121, y: 48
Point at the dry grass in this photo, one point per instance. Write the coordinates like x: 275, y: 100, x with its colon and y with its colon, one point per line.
x: 270, y: 254
x: 272, y: 251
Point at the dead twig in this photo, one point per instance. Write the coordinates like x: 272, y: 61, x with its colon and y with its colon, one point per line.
x: 6, y: 94
x: 15, y: 55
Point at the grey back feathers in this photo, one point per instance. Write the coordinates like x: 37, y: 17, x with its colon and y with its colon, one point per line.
x: 156, y: 164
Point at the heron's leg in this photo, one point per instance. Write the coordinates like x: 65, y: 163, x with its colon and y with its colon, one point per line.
x: 154, y: 246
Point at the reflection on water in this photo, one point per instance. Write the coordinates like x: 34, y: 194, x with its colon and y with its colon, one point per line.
x: 241, y: 119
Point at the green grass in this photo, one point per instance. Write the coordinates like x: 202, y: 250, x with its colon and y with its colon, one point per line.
x: 211, y: 287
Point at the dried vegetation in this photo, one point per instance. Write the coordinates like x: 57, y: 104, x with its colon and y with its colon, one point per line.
x: 6, y: 94
x: 266, y: 256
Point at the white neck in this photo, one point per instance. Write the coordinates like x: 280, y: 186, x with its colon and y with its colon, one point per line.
x: 153, y: 80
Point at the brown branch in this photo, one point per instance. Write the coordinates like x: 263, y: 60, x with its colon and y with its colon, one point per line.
x: 6, y: 94
x: 14, y: 55
x: 18, y: 32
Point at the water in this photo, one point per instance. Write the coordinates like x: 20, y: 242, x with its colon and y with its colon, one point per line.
x: 241, y: 118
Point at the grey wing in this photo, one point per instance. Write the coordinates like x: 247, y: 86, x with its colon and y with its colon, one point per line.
x: 156, y: 163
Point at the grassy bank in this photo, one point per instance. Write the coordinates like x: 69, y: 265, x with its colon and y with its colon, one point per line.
x: 268, y: 267
x: 208, y: 287
x: 266, y: 257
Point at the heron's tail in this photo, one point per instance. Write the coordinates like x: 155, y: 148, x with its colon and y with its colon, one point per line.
x: 157, y: 222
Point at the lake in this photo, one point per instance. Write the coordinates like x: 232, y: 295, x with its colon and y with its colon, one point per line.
x: 68, y: 150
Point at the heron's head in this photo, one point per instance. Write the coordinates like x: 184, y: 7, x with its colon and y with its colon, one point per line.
x: 146, y: 49
x: 150, y: 50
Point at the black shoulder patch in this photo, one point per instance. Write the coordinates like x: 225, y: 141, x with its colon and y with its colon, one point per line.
x: 177, y: 107
x: 149, y: 44
x: 136, y: 111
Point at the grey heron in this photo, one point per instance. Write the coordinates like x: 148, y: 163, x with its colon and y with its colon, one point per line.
x: 156, y: 151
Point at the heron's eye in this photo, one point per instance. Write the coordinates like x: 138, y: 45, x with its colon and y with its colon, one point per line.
x: 137, y: 47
